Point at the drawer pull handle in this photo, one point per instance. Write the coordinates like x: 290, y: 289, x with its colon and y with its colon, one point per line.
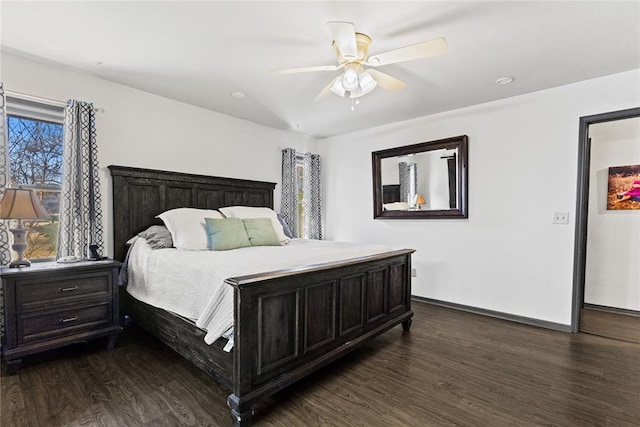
x: 69, y: 319
x: 68, y: 289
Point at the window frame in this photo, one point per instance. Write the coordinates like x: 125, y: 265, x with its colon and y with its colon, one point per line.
x: 31, y: 108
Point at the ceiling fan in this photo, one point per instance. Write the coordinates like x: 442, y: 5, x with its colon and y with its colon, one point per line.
x: 352, y: 54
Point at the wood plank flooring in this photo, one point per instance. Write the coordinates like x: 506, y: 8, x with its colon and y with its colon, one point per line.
x: 454, y: 368
x: 610, y: 323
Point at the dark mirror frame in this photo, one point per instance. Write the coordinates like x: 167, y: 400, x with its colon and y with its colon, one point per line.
x: 459, y: 142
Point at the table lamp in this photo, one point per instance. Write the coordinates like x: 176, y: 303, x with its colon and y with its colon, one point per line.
x: 419, y: 200
x: 21, y: 204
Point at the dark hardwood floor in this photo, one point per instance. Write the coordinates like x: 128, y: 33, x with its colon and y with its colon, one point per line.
x: 610, y: 323
x: 454, y: 368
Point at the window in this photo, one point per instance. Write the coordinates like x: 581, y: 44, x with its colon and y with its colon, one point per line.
x: 35, y: 136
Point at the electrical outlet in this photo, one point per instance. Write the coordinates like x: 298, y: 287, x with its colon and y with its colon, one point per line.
x: 561, y: 217
x: 413, y: 272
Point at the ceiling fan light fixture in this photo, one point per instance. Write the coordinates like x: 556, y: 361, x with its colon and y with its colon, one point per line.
x: 367, y: 83
x: 350, y: 79
x: 338, y: 88
x: 356, y: 93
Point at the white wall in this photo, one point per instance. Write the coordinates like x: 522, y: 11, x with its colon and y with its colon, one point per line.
x: 144, y: 130
x: 508, y: 256
x: 612, y: 272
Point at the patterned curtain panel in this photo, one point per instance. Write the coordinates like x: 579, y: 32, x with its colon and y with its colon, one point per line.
x: 405, y: 183
x: 5, y: 251
x: 408, y: 177
x: 289, y: 199
x: 312, y: 216
x: 80, y: 208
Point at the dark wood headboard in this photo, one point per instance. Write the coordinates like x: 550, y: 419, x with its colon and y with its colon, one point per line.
x: 141, y: 194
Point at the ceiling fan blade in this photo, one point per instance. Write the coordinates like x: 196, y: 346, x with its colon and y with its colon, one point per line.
x: 327, y: 89
x: 385, y: 81
x: 305, y: 69
x: 409, y: 53
x: 344, y: 35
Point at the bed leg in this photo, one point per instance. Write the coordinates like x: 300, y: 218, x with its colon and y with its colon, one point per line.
x: 406, y: 325
x: 240, y: 416
x: 111, y: 341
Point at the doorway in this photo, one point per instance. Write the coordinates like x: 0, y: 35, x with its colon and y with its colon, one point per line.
x: 606, y: 286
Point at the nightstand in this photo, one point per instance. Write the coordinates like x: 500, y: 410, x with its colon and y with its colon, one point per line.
x: 49, y: 305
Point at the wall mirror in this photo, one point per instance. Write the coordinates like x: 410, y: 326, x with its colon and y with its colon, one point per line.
x: 426, y: 180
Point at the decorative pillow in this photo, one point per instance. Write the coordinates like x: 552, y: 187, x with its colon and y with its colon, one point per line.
x: 157, y: 237
x: 187, y: 227
x: 260, y: 232
x: 246, y: 212
x: 226, y: 233
x: 285, y: 227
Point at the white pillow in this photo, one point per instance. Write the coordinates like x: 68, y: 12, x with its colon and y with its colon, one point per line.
x: 187, y: 227
x: 245, y: 212
x: 396, y: 206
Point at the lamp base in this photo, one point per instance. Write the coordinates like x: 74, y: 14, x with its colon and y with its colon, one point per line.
x: 19, y: 246
x: 20, y: 263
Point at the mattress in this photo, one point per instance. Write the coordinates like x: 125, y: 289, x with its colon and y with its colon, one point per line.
x: 191, y: 283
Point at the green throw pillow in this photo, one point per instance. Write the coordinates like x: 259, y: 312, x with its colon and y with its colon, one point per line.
x: 225, y: 234
x: 261, y: 232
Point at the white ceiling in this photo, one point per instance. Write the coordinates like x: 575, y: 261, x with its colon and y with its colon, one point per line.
x: 200, y: 52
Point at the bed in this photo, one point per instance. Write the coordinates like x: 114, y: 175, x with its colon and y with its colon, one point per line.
x: 287, y: 323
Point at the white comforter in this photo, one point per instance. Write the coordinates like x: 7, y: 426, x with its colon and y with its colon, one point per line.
x: 191, y: 283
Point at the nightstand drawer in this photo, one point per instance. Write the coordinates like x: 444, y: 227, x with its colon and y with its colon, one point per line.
x: 43, y: 293
x: 44, y: 325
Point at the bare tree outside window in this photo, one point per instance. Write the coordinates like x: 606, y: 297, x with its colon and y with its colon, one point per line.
x: 35, y: 161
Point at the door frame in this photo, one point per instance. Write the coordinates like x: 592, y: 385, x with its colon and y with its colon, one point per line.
x: 582, y: 205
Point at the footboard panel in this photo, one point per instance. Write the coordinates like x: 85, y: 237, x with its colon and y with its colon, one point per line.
x: 290, y: 323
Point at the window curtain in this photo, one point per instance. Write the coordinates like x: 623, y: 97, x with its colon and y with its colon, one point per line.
x: 5, y: 251
x: 289, y: 199
x: 312, y: 203
x: 452, y: 166
x: 80, y: 208
x: 408, y: 177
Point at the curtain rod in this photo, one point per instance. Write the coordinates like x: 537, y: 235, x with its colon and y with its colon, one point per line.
x: 42, y: 100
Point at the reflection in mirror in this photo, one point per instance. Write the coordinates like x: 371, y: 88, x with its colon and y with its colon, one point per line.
x: 426, y: 180
x: 429, y: 177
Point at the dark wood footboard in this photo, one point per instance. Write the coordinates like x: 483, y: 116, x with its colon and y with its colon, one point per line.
x: 288, y: 324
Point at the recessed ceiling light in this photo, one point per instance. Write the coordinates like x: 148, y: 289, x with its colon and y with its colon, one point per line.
x: 504, y: 80
x: 237, y: 95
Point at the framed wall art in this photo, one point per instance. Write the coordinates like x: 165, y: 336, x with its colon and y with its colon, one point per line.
x: 624, y: 188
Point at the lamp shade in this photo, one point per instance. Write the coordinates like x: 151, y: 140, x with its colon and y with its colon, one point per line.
x: 21, y: 203
x: 419, y: 199
x: 337, y: 88
x: 367, y: 83
x: 350, y: 79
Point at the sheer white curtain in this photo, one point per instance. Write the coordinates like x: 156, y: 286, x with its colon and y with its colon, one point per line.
x: 80, y: 207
